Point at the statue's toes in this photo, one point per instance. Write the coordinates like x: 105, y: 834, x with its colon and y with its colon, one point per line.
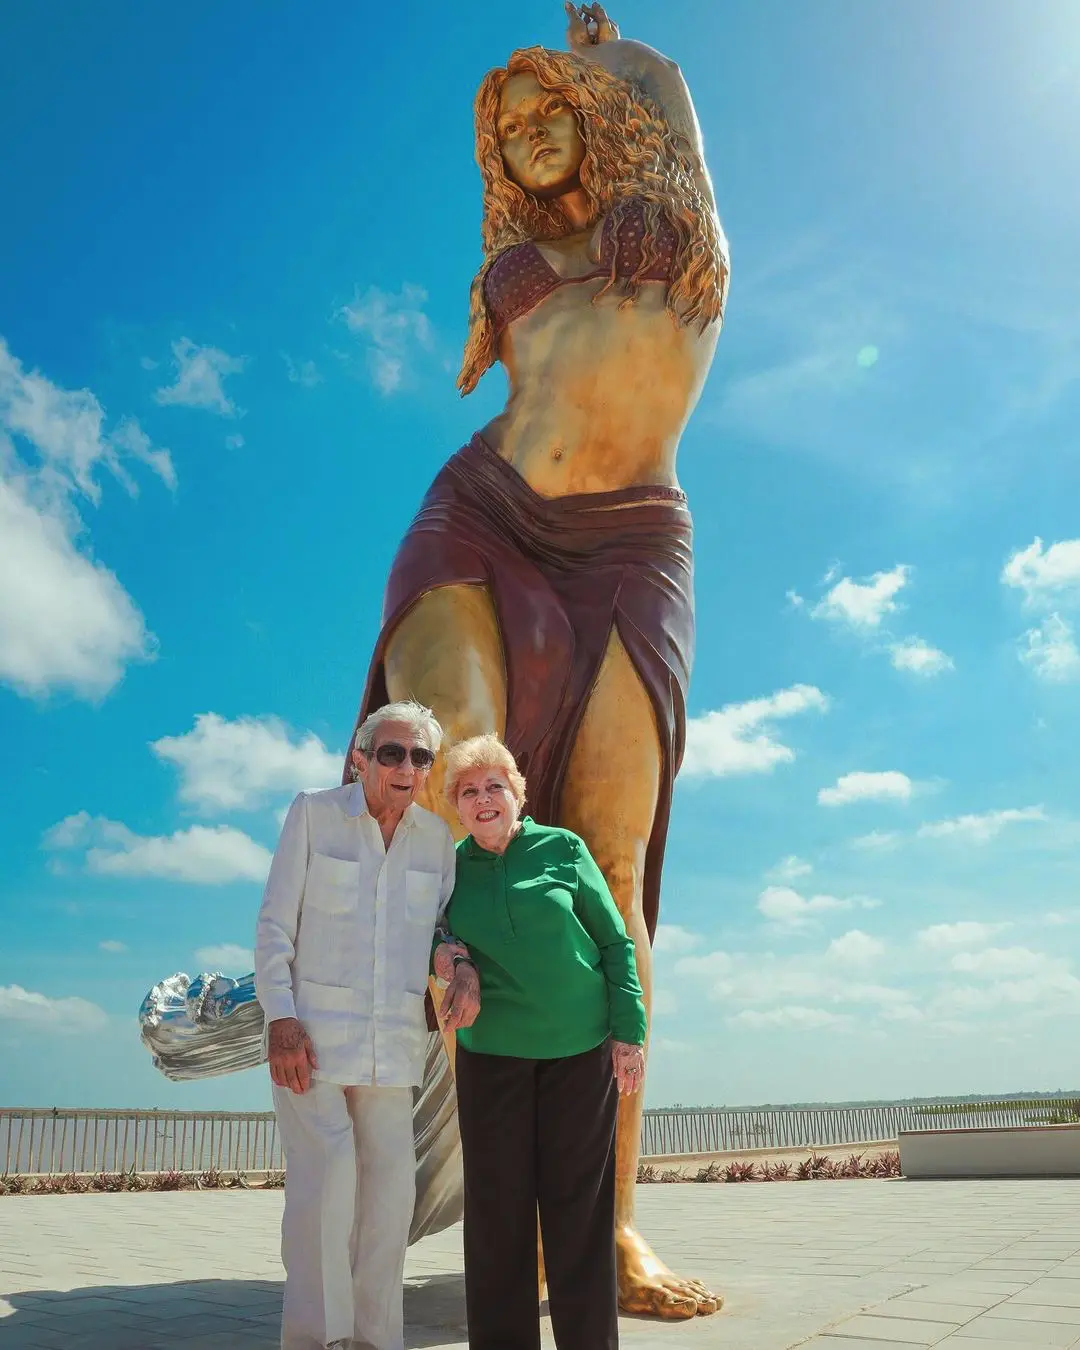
x: 675, y: 1305
x: 704, y: 1300
x: 703, y: 1295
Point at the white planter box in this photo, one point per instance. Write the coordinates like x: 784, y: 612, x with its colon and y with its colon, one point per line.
x: 1020, y: 1151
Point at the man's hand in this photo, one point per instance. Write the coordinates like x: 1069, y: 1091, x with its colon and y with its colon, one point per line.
x: 628, y: 1064
x: 292, y: 1055
x: 461, y: 1002
x: 443, y: 961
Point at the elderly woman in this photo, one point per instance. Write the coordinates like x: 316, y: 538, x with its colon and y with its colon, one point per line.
x: 559, y: 1036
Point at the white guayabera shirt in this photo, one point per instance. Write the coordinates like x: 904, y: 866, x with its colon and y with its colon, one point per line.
x: 343, y: 940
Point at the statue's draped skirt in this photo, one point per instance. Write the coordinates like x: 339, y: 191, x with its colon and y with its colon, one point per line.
x: 562, y: 572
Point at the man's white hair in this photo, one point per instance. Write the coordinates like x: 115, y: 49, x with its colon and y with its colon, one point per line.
x: 413, y: 714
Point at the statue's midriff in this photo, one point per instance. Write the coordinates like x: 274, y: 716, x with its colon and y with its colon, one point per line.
x: 599, y: 393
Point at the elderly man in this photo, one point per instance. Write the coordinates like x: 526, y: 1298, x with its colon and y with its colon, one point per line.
x: 360, y: 877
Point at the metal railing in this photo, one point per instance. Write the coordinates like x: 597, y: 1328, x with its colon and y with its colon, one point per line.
x: 44, y: 1140
x: 712, y: 1130
x: 50, y: 1141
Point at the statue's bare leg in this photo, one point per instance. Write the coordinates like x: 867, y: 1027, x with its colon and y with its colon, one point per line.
x: 447, y: 652
x: 609, y: 798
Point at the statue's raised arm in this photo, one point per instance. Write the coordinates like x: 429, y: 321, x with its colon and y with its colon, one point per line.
x: 593, y: 36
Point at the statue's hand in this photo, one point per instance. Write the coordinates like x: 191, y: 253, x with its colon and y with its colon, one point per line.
x: 588, y: 25
x: 628, y: 1065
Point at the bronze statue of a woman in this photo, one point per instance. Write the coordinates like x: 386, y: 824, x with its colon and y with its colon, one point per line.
x: 544, y: 590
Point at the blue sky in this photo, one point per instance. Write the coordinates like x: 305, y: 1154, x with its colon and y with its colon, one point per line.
x: 234, y: 259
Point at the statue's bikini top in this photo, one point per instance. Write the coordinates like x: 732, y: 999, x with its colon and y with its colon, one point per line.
x: 521, y: 277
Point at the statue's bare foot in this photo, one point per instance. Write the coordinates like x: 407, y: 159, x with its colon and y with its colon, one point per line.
x: 647, y: 1286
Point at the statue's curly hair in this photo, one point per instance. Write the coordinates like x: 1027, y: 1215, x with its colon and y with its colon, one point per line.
x: 631, y: 154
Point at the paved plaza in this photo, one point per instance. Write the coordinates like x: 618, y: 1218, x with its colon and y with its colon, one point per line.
x: 839, y: 1264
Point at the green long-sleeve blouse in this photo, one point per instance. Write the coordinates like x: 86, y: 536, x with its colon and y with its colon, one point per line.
x: 557, y: 968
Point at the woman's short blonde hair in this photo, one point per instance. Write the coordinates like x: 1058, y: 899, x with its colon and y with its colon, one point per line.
x: 481, y: 752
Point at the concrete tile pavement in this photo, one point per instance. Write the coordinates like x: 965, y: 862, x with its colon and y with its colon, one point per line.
x: 836, y: 1265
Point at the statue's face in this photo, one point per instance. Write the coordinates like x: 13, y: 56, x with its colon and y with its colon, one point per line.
x: 541, y: 142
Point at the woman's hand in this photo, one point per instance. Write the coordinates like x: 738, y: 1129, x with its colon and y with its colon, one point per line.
x: 628, y: 1062
x: 461, y: 1002
x: 588, y: 25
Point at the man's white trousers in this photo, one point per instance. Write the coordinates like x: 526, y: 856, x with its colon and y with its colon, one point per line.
x: 349, y: 1192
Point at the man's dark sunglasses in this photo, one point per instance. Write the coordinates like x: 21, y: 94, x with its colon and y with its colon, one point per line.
x: 390, y: 755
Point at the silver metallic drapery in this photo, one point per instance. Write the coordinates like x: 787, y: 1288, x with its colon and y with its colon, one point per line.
x: 211, y: 1025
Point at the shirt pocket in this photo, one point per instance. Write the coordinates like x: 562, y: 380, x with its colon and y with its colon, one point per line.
x: 327, y: 1012
x: 421, y: 896
x: 333, y: 884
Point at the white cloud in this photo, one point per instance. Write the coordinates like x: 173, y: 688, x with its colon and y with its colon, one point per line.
x: 792, y: 1017
x: 234, y: 442
x: 304, y: 373
x: 980, y: 829
x: 1048, y: 577
x: 202, y: 854
x: 1044, y: 574
x: 113, y: 947
x: 1042, y: 994
x: 788, y: 869
x: 855, y: 948
x: 711, y: 965
x: 862, y: 607
x: 918, y: 657
x: 200, y: 376
x: 672, y: 940
x: 788, y: 909
x: 394, y: 327
x: 66, y: 622
x: 65, y: 429
x: 664, y: 1004
x: 863, y: 604
x: 128, y: 438
x: 876, y: 839
x: 1051, y: 651
x: 738, y: 739
x: 1061, y: 918
x: 67, y: 1015
x: 228, y: 957
x: 867, y: 787
x: 236, y: 765
x: 966, y: 933
x: 766, y: 983
x: 1013, y: 977
x: 996, y: 962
